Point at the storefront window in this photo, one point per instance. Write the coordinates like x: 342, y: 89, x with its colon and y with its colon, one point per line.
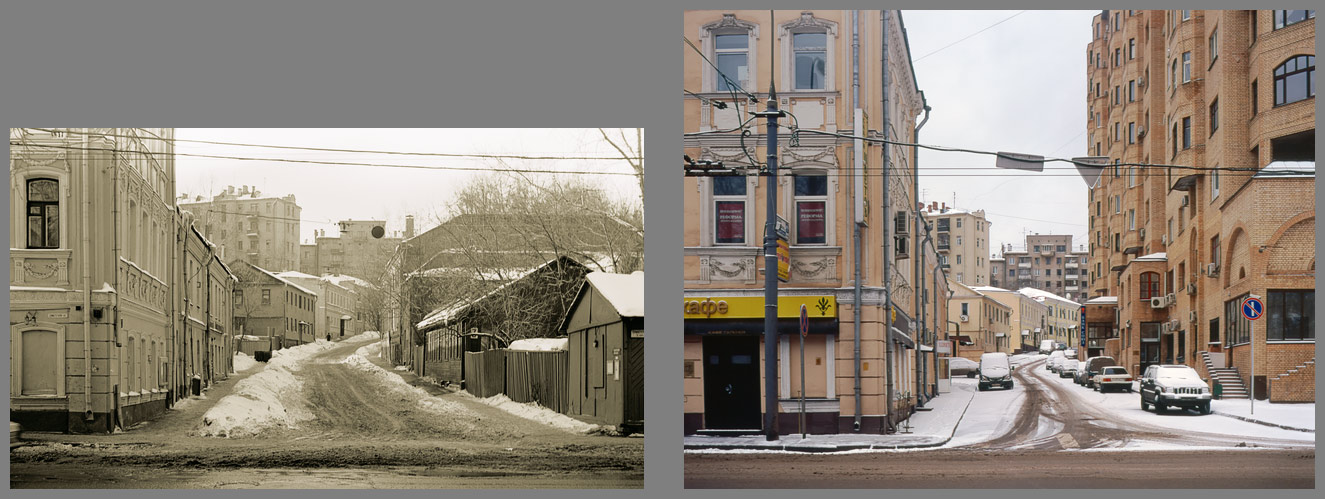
x: 1290, y: 315
x: 729, y: 210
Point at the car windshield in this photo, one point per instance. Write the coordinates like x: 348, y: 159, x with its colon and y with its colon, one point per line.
x: 1114, y: 370
x: 1178, y: 373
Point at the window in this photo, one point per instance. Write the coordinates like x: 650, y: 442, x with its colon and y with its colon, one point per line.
x: 1131, y: 90
x: 959, y: 223
x: 1214, y: 45
x: 965, y: 309
x: 811, y: 56
x: 1295, y: 80
x: 1173, y: 74
x: 731, y: 52
x: 1253, y: 26
x: 1255, y: 100
x: 1117, y: 95
x: 43, y: 213
x: 959, y: 259
x: 1239, y: 328
x: 1131, y: 135
x: 1214, y: 330
x: 1186, y: 67
x: 1131, y: 48
x: 1117, y: 57
x: 1131, y: 219
x: 1285, y: 18
x: 1214, y: 183
x: 959, y: 240
x: 1186, y: 15
x: 1214, y: 116
x: 811, y: 205
x: 266, y: 297
x: 729, y: 210
x: 1187, y: 132
x: 1174, y: 143
x: 1291, y: 315
x: 1149, y: 285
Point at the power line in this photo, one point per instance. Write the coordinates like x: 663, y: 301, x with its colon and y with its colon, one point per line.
x: 320, y: 162
x: 1006, y: 19
x: 735, y: 86
x: 325, y: 149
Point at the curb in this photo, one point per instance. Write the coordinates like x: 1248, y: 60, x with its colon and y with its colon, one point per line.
x: 811, y: 448
x: 1263, y: 423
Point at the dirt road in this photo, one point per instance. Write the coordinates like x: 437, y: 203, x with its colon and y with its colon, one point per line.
x: 363, y: 435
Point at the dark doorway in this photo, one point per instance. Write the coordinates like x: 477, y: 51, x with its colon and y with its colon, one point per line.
x: 731, y: 383
x: 1149, y: 354
x: 634, y: 381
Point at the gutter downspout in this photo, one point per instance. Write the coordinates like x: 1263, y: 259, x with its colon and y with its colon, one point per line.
x: 87, y: 285
x: 887, y: 253
x: 920, y: 307
x: 859, y: 191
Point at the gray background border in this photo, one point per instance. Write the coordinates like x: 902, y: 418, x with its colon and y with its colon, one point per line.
x: 420, y: 64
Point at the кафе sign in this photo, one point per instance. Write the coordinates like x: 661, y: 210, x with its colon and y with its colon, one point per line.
x: 745, y: 314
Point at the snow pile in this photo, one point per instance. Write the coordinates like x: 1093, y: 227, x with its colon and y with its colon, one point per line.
x: 534, y: 412
x: 392, y: 381
x: 538, y: 345
x: 243, y: 362
x: 271, y: 397
x: 186, y: 403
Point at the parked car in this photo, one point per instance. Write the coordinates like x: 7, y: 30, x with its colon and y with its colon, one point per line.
x: 1080, y: 377
x: 1067, y: 368
x: 995, y: 370
x: 1094, y: 365
x: 1070, y: 353
x: 15, y: 434
x: 1052, y: 363
x: 1046, y: 346
x: 1115, y: 377
x: 962, y: 366
x: 1163, y: 386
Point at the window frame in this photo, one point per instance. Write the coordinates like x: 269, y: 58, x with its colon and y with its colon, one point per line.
x: 729, y: 25
x: 1275, y: 306
x: 798, y: 198
x: 807, y: 23
x: 1186, y: 67
x: 1281, y: 18
x: 46, y: 211
x: 1310, y: 72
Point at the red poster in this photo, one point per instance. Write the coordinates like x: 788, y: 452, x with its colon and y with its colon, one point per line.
x: 810, y: 222
x: 731, y: 221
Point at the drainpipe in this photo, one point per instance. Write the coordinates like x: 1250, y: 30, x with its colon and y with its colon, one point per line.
x: 920, y: 307
x: 859, y: 191
x: 86, y: 257
x: 887, y: 253
x: 115, y: 259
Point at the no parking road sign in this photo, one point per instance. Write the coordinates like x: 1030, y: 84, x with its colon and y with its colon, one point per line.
x: 1252, y: 308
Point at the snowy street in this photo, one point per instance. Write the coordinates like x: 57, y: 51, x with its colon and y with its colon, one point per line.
x: 336, y: 415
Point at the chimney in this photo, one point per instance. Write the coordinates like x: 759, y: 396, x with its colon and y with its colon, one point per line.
x: 409, y: 226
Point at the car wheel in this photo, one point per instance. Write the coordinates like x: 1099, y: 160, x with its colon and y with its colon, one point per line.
x: 983, y: 387
x: 1143, y: 403
x: 1160, y: 407
x: 1205, y: 408
x: 1009, y: 385
x: 970, y: 375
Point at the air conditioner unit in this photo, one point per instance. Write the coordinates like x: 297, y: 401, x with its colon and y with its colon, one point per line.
x: 1186, y: 200
x: 1171, y: 298
x: 1192, y: 316
x: 1158, y: 302
x: 1164, y: 327
x: 1140, y: 132
x: 1141, y: 82
x: 1175, y: 325
x: 1164, y: 239
x: 1212, y: 270
x: 965, y: 318
x: 1191, y: 289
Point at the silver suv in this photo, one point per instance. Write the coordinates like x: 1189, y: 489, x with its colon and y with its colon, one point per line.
x: 1174, y: 385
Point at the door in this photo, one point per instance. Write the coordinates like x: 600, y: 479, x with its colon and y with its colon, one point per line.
x: 40, y: 349
x: 1149, y: 354
x: 634, y: 382
x: 731, y: 382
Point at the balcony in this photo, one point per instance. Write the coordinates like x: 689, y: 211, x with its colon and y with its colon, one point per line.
x: 1071, y: 265
x: 1025, y: 265
x: 1071, y: 288
x: 943, y: 246
x: 943, y: 225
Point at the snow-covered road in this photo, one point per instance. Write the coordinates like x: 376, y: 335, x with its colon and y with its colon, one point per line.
x: 1045, y: 412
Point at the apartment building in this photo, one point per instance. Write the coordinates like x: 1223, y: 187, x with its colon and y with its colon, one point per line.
x: 245, y: 225
x: 337, y: 305
x: 1027, y: 322
x: 980, y: 323
x: 1048, y: 263
x: 267, y: 305
x: 1229, y: 97
x: 1062, y: 318
x: 963, y: 242
x: 808, y: 56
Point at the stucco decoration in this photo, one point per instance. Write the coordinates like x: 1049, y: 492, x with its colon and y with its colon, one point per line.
x: 811, y: 269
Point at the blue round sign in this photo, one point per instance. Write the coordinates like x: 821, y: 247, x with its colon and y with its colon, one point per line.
x: 1252, y: 308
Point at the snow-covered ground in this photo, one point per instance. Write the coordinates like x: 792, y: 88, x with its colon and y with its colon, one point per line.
x: 534, y: 412
x: 243, y: 362
x: 268, y: 398
x: 392, y: 381
x: 1291, y: 415
x: 990, y: 414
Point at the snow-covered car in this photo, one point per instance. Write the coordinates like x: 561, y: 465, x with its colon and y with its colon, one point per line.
x: 1080, y: 377
x: 1113, y: 377
x: 1166, y: 385
x: 1067, y: 368
x: 1094, y: 365
x: 1046, y: 346
x: 1052, y: 363
x: 995, y: 370
x: 962, y: 366
x: 1070, y: 353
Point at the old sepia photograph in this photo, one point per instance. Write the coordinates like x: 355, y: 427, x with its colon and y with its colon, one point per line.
x: 326, y: 308
x: 999, y: 249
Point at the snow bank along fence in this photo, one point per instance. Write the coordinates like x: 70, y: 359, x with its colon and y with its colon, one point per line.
x: 522, y: 376
x: 251, y: 344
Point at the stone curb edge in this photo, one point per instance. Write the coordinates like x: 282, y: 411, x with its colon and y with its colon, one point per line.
x: 1264, y: 423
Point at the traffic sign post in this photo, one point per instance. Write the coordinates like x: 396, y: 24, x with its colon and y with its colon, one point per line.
x: 1253, y: 309
x: 805, y: 332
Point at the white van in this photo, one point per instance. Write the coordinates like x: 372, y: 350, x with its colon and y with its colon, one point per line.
x: 1046, y: 346
x: 995, y: 370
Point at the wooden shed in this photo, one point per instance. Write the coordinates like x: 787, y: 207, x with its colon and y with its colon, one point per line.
x: 605, y: 327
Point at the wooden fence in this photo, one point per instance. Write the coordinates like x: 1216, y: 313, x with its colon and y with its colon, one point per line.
x: 523, y: 376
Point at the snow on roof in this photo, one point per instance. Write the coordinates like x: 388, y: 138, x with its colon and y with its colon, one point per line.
x: 1102, y: 300
x: 1153, y: 257
x: 1042, y: 294
x: 1288, y: 169
x: 295, y: 274
x: 286, y: 281
x: 444, y: 314
x: 340, y: 280
x: 539, y: 345
x: 624, y: 291
x: 990, y: 289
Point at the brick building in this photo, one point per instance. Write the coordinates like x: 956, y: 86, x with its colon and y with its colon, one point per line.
x: 263, y: 231
x: 1229, y: 97
x: 1047, y: 263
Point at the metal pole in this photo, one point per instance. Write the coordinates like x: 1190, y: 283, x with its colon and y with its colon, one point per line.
x: 802, y: 343
x: 771, y: 272
x: 887, y: 254
x: 1252, y: 377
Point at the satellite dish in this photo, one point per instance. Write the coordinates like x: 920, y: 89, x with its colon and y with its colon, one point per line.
x: 378, y: 232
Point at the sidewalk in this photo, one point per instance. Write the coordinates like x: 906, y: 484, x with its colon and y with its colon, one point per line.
x: 928, y: 429
x: 1297, y: 417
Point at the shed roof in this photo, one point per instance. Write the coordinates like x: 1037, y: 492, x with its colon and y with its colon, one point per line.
x: 624, y: 291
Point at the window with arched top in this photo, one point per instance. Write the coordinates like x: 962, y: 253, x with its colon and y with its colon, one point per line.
x: 1295, y: 79
x: 730, y: 46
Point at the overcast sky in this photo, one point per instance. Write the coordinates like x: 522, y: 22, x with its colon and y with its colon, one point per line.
x: 330, y: 193
x: 1020, y: 87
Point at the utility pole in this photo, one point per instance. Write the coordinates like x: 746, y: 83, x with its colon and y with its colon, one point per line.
x: 771, y: 269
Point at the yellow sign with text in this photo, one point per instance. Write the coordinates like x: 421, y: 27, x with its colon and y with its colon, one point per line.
x: 752, y: 307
